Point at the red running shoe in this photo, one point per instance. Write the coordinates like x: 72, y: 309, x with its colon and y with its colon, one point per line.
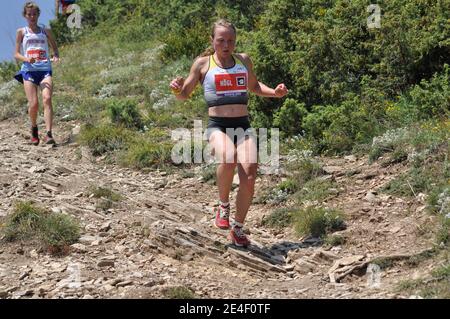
x: 222, y: 217
x: 238, y: 237
x: 49, y: 140
x: 34, y: 136
x: 34, y: 140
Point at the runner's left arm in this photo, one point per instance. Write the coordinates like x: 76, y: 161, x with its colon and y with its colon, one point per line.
x: 51, y: 40
x: 260, y: 88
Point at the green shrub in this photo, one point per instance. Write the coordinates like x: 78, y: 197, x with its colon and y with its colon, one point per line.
x: 289, y: 117
x: 388, y: 142
x: 59, y: 230
x: 318, y: 222
x: 144, y: 153
x: 439, y: 200
x: 124, y: 113
x: 209, y: 173
x: 425, y: 179
x: 104, y: 192
x: 104, y: 139
x: 30, y: 222
x: 334, y: 240
x: 7, y: 70
x: 314, y: 190
x: 417, y: 141
x: 186, y: 42
x: 427, y: 100
x: 280, y: 218
x: 24, y: 222
x: 303, y: 166
x: 63, y: 34
x: 180, y: 292
x: 289, y: 186
x: 337, y: 128
x: 443, y: 231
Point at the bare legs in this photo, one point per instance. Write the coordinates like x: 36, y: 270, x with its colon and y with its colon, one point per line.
x: 33, y: 103
x: 47, y: 90
x: 31, y: 91
x: 244, y: 156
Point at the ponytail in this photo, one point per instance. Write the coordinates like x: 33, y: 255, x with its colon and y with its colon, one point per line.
x: 209, y: 51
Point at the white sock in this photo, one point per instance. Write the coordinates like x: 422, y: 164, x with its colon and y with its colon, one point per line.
x: 236, y: 224
x: 224, y: 204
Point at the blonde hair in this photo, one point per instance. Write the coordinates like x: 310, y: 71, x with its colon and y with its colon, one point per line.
x: 222, y: 23
x: 31, y: 5
x: 219, y: 23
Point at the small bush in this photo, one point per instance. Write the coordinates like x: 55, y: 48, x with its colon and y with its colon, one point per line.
x: 387, y: 142
x: 209, y: 174
x: 125, y: 113
x: 24, y: 222
x: 288, y: 186
x: 417, y: 141
x: 144, y: 153
x: 180, y: 292
x: 317, y: 222
x: 439, y: 200
x: 280, y: 218
x: 289, y: 117
x: 314, y: 190
x: 303, y: 166
x: 29, y: 222
x: 104, y: 139
x: 429, y: 99
x: 423, y: 179
x: 59, y: 230
x: 334, y: 240
x: 189, y: 42
x: 443, y: 232
x: 106, y: 197
x: 7, y: 70
x: 443, y: 272
x: 104, y: 192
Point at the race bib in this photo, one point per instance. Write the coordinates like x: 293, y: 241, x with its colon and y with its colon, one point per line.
x: 39, y: 55
x: 230, y: 84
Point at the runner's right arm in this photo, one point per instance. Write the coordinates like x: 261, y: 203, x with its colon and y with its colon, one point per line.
x: 183, y: 88
x: 17, y: 55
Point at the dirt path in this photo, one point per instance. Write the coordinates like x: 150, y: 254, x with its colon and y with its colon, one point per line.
x: 160, y: 235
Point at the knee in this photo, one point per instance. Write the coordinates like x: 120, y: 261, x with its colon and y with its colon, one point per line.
x: 228, y: 166
x: 247, y: 180
x: 47, y: 100
x: 227, y: 158
x: 33, y: 105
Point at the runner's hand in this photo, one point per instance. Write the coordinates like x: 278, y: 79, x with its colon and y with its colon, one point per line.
x: 177, y: 84
x: 281, y: 90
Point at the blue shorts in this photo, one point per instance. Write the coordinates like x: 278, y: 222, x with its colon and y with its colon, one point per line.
x: 35, y: 77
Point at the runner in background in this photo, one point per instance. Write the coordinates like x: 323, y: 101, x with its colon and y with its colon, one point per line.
x: 64, y: 5
x: 32, y: 48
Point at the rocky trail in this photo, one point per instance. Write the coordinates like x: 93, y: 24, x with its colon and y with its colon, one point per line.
x: 160, y: 234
